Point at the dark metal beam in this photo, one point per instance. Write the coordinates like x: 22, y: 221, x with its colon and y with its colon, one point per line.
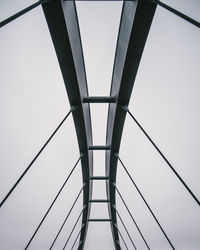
x: 99, y: 200
x: 62, y: 21
x: 99, y: 99
x: 99, y: 147
x: 99, y: 178
x: 98, y: 220
x: 134, y: 28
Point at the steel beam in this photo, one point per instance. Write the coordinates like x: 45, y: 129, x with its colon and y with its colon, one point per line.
x: 99, y: 200
x: 62, y: 21
x: 135, y: 23
x: 99, y: 178
x: 98, y: 220
x: 99, y: 99
x: 99, y: 147
x: 134, y: 27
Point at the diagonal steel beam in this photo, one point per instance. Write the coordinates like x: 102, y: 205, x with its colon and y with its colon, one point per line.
x: 134, y: 28
x: 62, y: 21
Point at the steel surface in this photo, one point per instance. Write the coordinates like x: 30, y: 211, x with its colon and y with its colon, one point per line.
x: 134, y: 27
x: 62, y: 21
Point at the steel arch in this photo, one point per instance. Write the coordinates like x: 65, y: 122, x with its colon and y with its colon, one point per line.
x: 134, y: 28
x: 136, y: 20
x: 63, y: 25
x: 135, y: 23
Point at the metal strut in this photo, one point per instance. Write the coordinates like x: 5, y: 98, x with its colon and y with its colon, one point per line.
x: 62, y: 21
x: 134, y: 27
x: 99, y: 147
x: 99, y: 99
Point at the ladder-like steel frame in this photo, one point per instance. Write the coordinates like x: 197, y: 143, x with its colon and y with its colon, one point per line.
x: 135, y: 23
x: 136, y: 19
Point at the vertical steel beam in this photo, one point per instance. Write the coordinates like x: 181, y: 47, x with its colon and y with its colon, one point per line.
x: 134, y: 28
x: 62, y: 21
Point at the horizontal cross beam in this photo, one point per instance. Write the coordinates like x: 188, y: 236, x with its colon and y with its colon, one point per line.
x: 99, y: 178
x: 99, y: 200
x: 98, y: 220
x: 99, y: 147
x: 99, y: 99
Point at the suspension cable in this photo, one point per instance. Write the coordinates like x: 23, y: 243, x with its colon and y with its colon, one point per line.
x: 67, y: 216
x: 121, y: 236
x: 22, y: 12
x: 131, y: 215
x: 77, y: 236
x: 176, y: 12
x: 48, y: 210
x: 162, y: 155
x: 145, y: 202
x: 74, y: 227
x: 124, y: 227
x: 34, y: 159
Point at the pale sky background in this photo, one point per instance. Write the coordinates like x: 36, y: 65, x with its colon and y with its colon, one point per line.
x: 165, y: 100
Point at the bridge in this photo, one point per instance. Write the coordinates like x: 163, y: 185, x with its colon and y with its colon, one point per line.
x: 135, y: 24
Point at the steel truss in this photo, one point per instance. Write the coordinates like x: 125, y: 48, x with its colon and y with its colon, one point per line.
x: 136, y: 19
x: 63, y: 25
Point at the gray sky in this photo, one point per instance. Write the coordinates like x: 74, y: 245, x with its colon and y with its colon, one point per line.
x: 165, y: 100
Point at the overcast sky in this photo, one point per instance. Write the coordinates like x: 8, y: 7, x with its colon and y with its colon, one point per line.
x: 165, y: 100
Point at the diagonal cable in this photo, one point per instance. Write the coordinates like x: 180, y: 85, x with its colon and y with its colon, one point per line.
x: 67, y: 216
x: 77, y: 236
x: 162, y: 155
x: 35, y: 158
x: 22, y: 12
x: 124, y: 227
x: 176, y: 12
x: 145, y: 202
x: 48, y: 210
x: 131, y: 216
x: 74, y: 227
x: 121, y: 236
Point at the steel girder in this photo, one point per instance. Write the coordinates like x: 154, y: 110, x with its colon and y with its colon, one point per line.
x: 134, y: 28
x: 62, y: 21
